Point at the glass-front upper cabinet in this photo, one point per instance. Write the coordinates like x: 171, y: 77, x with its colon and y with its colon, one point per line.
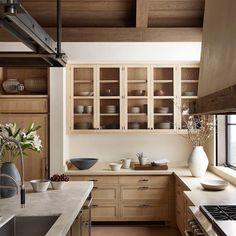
x: 83, y: 97
x: 189, y: 77
x: 163, y: 97
x: 109, y: 97
x: 137, y: 92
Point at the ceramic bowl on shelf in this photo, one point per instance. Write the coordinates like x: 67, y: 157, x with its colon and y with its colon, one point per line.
x: 84, y: 93
x: 188, y: 93
x: 12, y: 86
x: 134, y: 125
x: 40, y: 185
x: 163, y: 125
x: 162, y: 109
x: 88, y: 109
x: 115, y: 166
x: 83, y: 125
x: 135, y: 110
x: 138, y: 92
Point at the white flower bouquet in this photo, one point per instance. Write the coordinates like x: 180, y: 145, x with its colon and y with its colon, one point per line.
x: 28, y: 139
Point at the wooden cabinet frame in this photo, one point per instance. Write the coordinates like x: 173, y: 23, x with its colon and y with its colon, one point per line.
x: 174, y: 83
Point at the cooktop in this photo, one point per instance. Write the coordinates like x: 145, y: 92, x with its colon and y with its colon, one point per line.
x: 218, y: 213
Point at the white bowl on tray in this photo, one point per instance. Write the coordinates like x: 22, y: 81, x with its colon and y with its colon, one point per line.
x: 214, y: 184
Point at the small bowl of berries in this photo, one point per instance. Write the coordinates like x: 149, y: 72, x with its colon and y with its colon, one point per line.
x: 58, y: 181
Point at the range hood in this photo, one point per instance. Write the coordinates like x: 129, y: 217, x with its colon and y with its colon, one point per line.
x: 18, y: 22
x: 217, y: 79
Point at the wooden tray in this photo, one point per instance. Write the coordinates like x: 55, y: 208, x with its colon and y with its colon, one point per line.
x: 150, y: 167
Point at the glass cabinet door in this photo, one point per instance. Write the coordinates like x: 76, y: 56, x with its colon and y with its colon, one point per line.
x: 109, y: 97
x: 137, y: 94
x: 83, y: 98
x: 163, y: 97
x: 189, y: 76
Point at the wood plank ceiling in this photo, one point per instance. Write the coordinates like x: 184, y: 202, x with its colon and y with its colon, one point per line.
x: 120, y: 20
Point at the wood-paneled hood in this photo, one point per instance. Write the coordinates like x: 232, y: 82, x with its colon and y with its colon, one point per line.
x: 217, y: 82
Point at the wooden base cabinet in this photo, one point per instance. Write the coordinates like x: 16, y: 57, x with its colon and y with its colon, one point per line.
x: 130, y: 198
x: 182, y: 206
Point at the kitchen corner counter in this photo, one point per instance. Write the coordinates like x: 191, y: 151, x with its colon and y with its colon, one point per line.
x: 66, y: 202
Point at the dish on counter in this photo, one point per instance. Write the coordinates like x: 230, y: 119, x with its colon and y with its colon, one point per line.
x: 214, y: 184
x: 115, y: 166
x: 40, y: 185
x: 83, y: 163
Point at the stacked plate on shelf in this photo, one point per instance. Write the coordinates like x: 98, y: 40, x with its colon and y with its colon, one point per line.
x: 110, y: 109
x: 162, y: 110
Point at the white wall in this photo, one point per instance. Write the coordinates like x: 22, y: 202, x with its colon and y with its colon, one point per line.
x: 112, y: 147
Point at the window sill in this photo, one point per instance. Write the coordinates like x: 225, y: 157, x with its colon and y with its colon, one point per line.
x: 224, y: 172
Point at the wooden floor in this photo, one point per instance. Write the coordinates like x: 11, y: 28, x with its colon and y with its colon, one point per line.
x: 133, y: 231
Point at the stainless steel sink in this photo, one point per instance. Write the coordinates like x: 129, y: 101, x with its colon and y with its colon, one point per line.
x: 28, y: 225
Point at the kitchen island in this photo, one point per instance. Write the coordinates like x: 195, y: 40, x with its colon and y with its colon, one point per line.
x: 65, y: 203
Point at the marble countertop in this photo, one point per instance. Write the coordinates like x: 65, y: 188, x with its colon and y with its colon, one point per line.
x: 66, y: 202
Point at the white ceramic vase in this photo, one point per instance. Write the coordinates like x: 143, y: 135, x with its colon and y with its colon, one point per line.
x: 198, y: 161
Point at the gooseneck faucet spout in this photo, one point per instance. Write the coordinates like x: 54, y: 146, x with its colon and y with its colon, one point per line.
x: 6, y: 141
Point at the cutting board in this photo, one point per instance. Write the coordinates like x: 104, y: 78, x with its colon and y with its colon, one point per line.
x: 150, y: 167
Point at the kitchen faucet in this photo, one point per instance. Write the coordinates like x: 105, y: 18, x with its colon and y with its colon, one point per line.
x: 6, y: 141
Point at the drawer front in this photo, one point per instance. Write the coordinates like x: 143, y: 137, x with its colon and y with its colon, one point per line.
x: 105, y: 193
x: 97, y: 179
x: 24, y: 105
x: 179, y: 201
x: 141, y: 212
x: 180, y: 219
x: 160, y: 181
x: 104, y: 212
x: 133, y: 193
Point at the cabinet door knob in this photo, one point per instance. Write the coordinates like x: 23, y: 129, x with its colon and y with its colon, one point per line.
x: 144, y: 180
x: 94, y: 206
x: 143, y: 188
x: 94, y: 180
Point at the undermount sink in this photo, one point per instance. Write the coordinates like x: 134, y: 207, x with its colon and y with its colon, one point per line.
x: 28, y: 225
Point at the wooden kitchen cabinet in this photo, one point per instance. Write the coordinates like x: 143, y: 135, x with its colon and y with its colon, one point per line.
x: 25, y: 108
x: 130, y: 98
x: 182, y: 206
x: 131, y: 198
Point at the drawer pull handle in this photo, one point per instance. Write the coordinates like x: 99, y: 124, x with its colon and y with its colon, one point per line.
x: 94, y: 180
x: 144, y: 180
x: 143, y: 188
x: 94, y: 206
x: 94, y: 188
x: 144, y: 205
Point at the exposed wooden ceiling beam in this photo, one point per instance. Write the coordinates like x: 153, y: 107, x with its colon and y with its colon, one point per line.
x: 223, y: 101
x: 142, y: 8
x: 121, y: 35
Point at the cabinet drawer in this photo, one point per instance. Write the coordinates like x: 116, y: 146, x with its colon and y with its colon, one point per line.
x: 97, y: 179
x: 104, y: 211
x: 141, y: 212
x: 160, y: 181
x: 131, y: 193
x: 23, y: 105
x: 105, y: 193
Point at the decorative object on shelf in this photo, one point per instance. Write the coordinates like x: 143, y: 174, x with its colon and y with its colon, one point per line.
x: 199, y: 131
x: 159, y: 92
x: 79, y: 109
x: 107, y: 92
x: 134, y: 125
x: 40, y: 185
x: 28, y: 139
x: 135, y: 110
x: 12, y: 86
x: 189, y: 93
x: 138, y: 92
x: 84, y: 93
x: 163, y: 125
x: 58, y: 181
x: 36, y: 85
x: 83, y: 125
x: 161, y: 110
x: 88, y: 109
x: 83, y: 163
x: 141, y: 158
x: 110, y: 109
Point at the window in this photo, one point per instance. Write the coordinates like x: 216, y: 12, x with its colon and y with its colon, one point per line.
x: 231, y: 141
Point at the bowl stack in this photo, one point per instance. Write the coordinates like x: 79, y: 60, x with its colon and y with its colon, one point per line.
x: 110, y: 109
